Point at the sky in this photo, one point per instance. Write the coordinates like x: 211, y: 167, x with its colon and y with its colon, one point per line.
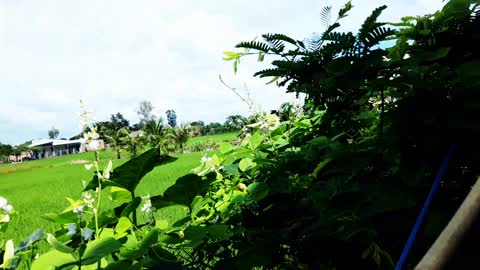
x: 113, y: 54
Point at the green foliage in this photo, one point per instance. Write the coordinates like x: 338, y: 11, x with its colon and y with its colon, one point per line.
x: 53, y: 133
x: 374, y: 126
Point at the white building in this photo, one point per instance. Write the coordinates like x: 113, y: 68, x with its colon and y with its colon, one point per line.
x: 53, y: 148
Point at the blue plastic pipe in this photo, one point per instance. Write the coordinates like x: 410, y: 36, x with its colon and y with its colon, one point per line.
x: 421, y: 216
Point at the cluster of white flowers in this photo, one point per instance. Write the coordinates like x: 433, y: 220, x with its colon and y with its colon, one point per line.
x: 210, y: 165
x: 147, y: 207
x: 86, y: 233
x: 88, y: 199
x: 266, y: 122
x: 71, y: 229
x: 86, y: 121
x: 6, y: 209
x: 79, y: 211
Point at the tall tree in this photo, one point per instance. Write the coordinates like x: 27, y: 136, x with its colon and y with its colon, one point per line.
x: 179, y: 136
x: 145, y: 111
x: 155, y: 131
x: 118, y: 140
x: 118, y: 121
x: 171, y: 118
x: 53, y: 133
x: 235, y: 122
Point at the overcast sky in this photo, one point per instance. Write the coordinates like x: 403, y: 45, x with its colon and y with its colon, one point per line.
x: 113, y: 54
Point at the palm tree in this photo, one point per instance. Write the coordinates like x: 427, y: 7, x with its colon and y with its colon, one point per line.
x: 155, y: 131
x: 116, y: 140
x: 179, y: 136
x: 133, y: 143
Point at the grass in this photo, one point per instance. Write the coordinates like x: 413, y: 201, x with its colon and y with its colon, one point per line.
x: 38, y: 187
x: 216, y: 137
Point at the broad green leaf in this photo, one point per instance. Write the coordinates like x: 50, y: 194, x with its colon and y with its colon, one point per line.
x: 74, y: 203
x: 99, y: 248
x: 129, y: 174
x: 218, y: 231
x: 125, y: 209
x: 246, y: 164
x: 52, y: 260
x: 255, y: 141
x: 225, y: 147
x: 161, y: 224
x: 257, y: 191
x: 54, y: 243
x: 30, y: 240
x: 119, y: 194
x: 183, y: 191
x: 162, y: 255
x: 305, y: 123
x: 132, y: 251
x: 123, y: 225
x: 65, y: 217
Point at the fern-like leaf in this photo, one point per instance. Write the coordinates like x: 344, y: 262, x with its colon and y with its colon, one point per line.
x: 342, y: 13
x: 377, y: 35
x: 254, y: 45
x: 325, y: 15
x: 282, y: 37
x: 371, y: 23
x: 271, y: 72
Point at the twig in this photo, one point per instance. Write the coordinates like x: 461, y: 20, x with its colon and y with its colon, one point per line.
x: 235, y: 91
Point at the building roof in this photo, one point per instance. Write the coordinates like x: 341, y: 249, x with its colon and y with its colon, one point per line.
x: 55, y: 142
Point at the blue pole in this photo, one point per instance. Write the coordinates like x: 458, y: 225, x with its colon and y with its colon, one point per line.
x: 421, y: 216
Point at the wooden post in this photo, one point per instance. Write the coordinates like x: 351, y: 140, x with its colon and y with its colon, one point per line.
x: 444, y: 247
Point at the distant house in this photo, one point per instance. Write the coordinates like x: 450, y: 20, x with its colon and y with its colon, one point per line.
x: 54, y: 148
x: 23, y: 156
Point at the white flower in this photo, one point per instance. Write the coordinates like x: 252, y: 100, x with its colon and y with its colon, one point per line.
x: 3, y: 202
x: 94, y: 145
x: 71, y: 229
x: 79, y: 211
x: 6, y: 209
x: 88, y: 199
x: 87, y: 234
x: 248, y: 135
x: 147, y: 206
x: 204, y: 159
x: 88, y: 166
x: 209, y: 159
x: 108, y: 169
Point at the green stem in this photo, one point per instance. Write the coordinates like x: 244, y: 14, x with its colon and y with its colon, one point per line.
x: 97, y: 209
x: 134, y: 210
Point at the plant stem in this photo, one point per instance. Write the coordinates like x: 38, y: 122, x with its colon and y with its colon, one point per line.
x: 134, y: 210
x: 97, y: 209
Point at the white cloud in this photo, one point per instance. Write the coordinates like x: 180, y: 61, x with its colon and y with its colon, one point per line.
x: 114, y: 53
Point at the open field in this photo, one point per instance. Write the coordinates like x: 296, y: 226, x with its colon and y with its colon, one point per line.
x: 40, y: 186
x: 217, y: 137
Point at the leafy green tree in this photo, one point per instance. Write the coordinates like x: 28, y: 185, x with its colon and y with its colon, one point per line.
x: 118, y: 121
x: 5, y: 151
x: 234, y: 122
x: 155, y: 132
x: 171, y: 118
x: 117, y: 141
x: 179, y: 135
x: 145, y: 111
x: 133, y: 143
x: 53, y: 133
